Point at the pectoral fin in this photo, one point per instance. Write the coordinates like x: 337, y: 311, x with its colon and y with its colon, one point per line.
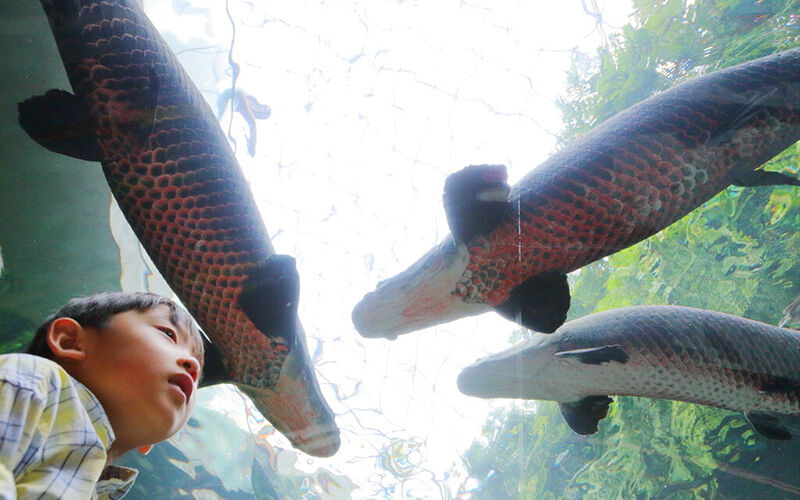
x: 752, y: 178
x: 270, y: 295
x: 780, y: 385
x: 540, y: 303
x: 746, y: 113
x: 597, y: 355
x: 583, y: 415
x: 768, y: 425
x: 61, y: 122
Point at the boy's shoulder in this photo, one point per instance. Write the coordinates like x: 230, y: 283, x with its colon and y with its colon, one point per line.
x: 30, y: 372
x: 48, y: 383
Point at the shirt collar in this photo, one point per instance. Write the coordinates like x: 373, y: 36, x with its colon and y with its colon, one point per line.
x: 115, y: 482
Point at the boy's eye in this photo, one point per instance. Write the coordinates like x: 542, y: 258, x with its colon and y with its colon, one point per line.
x: 167, y: 331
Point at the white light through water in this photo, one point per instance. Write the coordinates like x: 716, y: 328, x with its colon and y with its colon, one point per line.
x: 373, y: 105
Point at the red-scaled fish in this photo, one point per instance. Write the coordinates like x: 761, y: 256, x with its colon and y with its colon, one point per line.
x: 665, y: 352
x: 170, y: 168
x: 623, y: 181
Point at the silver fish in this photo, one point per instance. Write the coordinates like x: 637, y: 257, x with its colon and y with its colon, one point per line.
x: 666, y: 352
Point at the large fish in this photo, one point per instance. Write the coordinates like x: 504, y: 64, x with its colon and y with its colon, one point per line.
x: 626, y: 179
x: 170, y: 168
x: 666, y: 352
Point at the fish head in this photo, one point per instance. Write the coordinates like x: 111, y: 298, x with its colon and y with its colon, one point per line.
x: 277, y: 373
x: 419, y: 297
x: 525, y: 371
x: 296, y: 408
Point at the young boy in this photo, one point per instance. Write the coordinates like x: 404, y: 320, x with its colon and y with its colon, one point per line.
x: 104, y: 375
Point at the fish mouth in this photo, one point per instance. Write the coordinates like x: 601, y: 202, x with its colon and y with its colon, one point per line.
x: 317, y: 444
x: 487, y: 378
x: 506, y: 374
x: 184, y: 382
x: 470, y: 382
x: 419, y: 297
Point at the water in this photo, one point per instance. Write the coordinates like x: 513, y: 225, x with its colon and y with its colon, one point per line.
x: 371, y: 106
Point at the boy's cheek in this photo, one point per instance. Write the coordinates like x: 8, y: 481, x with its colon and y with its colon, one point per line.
x: 192, y: 401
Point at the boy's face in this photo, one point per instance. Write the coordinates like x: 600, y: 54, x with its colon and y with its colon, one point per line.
x: 142, y: 370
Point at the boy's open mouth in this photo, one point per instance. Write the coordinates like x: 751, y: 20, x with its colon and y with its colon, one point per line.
x: 184, y: 382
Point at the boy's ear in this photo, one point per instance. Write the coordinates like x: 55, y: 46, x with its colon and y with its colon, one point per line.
x: 65, y: 337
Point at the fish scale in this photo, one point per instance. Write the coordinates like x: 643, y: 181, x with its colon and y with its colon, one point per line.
x: 177, y: 181
x: 657, y: 173
x: 704, y: 356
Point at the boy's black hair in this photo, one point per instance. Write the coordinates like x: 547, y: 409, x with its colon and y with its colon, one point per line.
x: 96, y: 311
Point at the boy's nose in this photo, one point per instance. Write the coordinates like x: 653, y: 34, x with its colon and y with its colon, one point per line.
x: 191, y: 365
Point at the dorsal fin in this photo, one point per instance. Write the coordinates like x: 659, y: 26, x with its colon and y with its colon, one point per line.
x: 476, y: 200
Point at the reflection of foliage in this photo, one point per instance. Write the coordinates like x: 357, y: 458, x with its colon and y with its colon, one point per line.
x: 160, y: 480
x: 737, y: 253
x: 669, y: 42
x: 400, y: 457
x: 213, y: 457
x: 644, y: 449
x: 16, y: 331
x: 247, y: 106
x: 401, y: 471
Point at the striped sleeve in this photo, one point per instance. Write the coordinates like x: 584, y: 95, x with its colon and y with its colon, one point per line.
x: 47, y: 440
x: 7, y: 489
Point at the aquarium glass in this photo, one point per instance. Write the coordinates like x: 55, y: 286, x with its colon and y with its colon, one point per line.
x: 357, y: 114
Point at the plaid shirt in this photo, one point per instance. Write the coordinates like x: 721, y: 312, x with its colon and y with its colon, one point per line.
x: 53, y: 436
